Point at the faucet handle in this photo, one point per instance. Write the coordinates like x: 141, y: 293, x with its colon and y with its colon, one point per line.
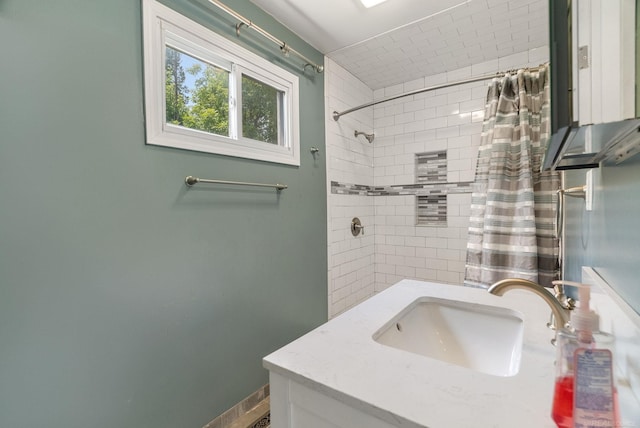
x: 566, y: 301
x: 356, y: 227
x: 571, y: 303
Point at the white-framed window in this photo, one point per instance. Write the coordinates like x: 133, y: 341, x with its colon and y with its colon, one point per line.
x: 206, y: 93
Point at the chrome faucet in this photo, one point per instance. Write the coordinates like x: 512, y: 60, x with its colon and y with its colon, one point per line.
x: 559, y: 310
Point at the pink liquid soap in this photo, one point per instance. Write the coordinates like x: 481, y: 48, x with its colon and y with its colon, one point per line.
x: 562, y: 411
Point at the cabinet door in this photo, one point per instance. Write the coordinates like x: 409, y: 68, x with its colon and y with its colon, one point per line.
x: 603, y: 62
x: 296, y: 406
x: 560, y: 56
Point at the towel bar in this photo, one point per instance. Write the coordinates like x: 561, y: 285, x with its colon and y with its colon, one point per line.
x: 190, y: 181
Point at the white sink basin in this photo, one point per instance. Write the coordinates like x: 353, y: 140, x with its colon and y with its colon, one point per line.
x: 484, y: 338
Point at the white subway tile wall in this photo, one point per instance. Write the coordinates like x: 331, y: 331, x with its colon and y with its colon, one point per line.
x: 349, y: 159
x: 393, y: 247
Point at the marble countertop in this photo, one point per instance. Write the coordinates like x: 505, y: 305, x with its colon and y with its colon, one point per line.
x: 340, y: 359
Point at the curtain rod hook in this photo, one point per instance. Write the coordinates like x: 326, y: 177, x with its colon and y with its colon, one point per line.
x: 238, y: 27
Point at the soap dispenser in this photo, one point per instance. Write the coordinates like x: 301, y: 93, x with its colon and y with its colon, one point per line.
x: 584, y: 389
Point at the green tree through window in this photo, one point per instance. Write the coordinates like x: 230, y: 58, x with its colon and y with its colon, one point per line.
x: 259, y: 111
x: 209, y: 110
x: 175, y: 89
x: 197, y: 97
x: 203, y: 102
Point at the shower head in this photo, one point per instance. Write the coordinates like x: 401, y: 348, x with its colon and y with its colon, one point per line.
x: 369, y: 137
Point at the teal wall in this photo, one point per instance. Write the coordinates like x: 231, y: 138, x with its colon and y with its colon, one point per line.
x: 607, y: 238
x: 127, y: 300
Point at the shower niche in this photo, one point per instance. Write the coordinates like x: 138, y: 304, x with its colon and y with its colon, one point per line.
x: 431, y: 207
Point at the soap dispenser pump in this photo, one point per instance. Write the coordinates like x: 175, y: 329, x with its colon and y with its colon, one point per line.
x: 582, y: 350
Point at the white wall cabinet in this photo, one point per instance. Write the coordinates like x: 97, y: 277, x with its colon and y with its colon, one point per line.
x: 594, y: 94
x: 603, y: 63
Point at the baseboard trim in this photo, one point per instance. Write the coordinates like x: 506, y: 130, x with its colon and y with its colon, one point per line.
x: 252, y: 412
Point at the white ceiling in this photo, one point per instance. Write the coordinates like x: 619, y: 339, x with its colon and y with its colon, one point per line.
x: 403, y: 40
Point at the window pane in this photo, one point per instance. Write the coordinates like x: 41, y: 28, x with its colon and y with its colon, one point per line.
x: 260, y: 110
x: 197, y: 93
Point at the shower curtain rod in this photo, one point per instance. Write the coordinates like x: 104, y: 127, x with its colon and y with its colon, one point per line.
x: 285, y: 48
x: 336, y: 115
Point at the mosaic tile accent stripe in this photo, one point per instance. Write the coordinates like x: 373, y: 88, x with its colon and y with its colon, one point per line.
x: 401, y: 190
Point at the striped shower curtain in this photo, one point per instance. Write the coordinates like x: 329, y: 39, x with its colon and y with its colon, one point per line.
x: 511, y: 232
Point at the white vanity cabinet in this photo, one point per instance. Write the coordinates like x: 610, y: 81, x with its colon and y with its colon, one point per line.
x: 340, y: 375
x: 294, y: 405
x: 343, y: 375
